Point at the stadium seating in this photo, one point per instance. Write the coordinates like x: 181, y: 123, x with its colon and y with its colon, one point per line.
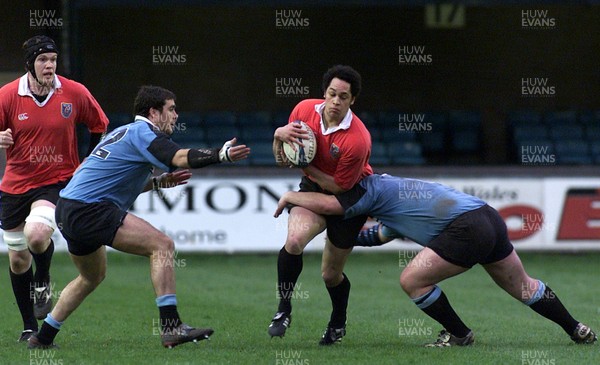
x: 221, y: 134
x: 379, y: 155
x: 255, y: 119
x: 465, y: 135
x: 187, y: 130
x: 564, y: 117
x: 218, y: 119
x: 260, y: 133
x: 406, y: 153
x: 118, y: 119
x: 425, y: 137
x: 574, y: 151
x: 261, y: 153
x: 280, y: 118
x: 530, y: 132
x: 523, y: 117
x: 566, y: 131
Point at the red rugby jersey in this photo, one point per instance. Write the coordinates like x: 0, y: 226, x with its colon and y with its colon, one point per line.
x: 45, y: 142
x: 344, y: 153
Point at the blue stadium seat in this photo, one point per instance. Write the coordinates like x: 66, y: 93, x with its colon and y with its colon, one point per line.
x: 261, y: 153
x: 217, y: 135
x: 406, y: 153
x: 379, y: 155
x: 185, y: 133
x: 392, y: 134
x: 260, y: 133
x: 464, y: 127
x: 589, y: 117
x: 566, y: 131
x: 376, y: 134
x: 573, y: 152
x: 118, y: 119
x: 388, y: 118
x: 530, y: 132
x: 560, y: 117
x: 255, y: 119
x: 280, y: 118
x: 433, y: 140
x: 464, y: 120
x: 369, y: 119
x: 465, y: 141
x: 595, y: 151
x: 218, y: 119
x: 592, y: 132
x: 189, y: 119
x: 521, y: 117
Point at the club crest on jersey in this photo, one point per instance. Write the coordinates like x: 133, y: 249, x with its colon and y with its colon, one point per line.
x: 66, y: 109
x: 334, y: 151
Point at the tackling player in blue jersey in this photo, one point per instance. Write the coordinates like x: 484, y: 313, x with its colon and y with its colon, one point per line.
x: 457, y: 231
x: 92, y: 210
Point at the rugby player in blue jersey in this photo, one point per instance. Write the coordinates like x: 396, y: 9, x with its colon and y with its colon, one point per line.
x: 92, y: 210
x: 457, y: 231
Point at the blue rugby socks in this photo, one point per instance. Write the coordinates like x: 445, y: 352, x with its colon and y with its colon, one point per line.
x: 167, y: 307
x: 435, y: 304
x: 50, y: 328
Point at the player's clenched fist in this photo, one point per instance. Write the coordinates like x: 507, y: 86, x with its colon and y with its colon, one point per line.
x: 6, y: 139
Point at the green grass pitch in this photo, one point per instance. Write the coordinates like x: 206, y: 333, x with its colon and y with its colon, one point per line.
x: 236, y: 296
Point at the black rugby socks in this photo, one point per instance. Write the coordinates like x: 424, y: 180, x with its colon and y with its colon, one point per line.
x: 22, y: 285
x: 289, y: 268
x: 339, y: 300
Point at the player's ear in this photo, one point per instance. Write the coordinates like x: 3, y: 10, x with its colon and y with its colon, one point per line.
x: 352, y: 100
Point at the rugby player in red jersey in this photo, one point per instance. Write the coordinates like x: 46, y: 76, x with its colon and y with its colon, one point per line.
x: 342, y: 160
x: 38, y: 113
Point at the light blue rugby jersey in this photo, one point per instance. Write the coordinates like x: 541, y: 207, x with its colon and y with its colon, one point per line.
x: 119, y: 167
x: 417, y: 209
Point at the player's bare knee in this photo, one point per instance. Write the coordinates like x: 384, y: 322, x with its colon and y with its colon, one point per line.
x: 406, y: 283
x: 331, y: 277
x: 295, y: 244
x: 165, y: 244
x: 92, y: 281
x: 38, y: 241
x: 19, y: 264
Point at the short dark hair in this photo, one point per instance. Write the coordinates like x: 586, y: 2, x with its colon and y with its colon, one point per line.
x: 345, y: 73
x: 151, y: 97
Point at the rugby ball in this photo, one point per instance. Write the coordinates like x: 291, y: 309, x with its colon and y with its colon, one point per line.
x: 302, y: 156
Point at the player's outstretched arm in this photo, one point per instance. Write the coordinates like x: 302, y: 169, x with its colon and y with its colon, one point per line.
x: 316, y: 202
x: 196, y: 158
x: 168, y: 180
x: 325, y: 181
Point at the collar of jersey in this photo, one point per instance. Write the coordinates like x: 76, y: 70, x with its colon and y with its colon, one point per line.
x: 25, y: 91
x: 345, y: 124
x: 144, y: 119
